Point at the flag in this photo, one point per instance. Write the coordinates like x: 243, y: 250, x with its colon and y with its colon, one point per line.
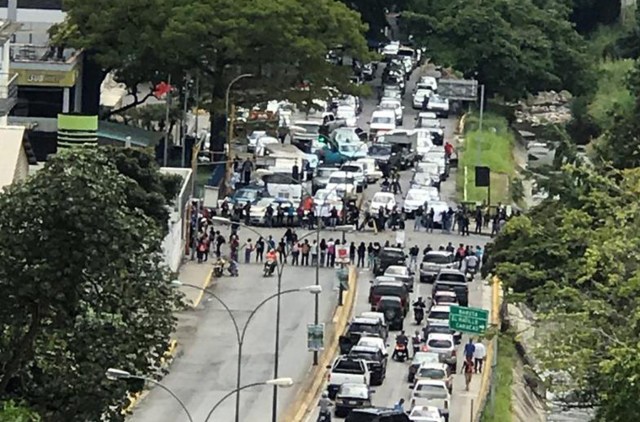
x: 161, y: 89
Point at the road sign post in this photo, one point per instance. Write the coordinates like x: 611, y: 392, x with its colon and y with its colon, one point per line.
x: 468, y: 320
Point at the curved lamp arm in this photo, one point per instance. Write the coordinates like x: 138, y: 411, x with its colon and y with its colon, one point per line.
x: 260, y: 305
x: 154, y: 382
x: 229, y: 394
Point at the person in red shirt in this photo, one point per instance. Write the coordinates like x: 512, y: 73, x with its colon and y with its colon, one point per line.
x: 448, y: 149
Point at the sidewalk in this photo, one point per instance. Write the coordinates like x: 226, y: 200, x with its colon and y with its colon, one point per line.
x: 198, y: 275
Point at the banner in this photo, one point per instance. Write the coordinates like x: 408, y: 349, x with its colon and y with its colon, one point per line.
x: 342, y: 254
x: 315, y: 337
x: 77, y: 130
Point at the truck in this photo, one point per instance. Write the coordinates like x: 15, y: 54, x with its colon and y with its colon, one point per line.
x: 346, y: 370
x: 404, y: 144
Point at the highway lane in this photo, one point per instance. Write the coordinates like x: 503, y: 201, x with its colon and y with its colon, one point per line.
x: 206, y: 369
x: 395, y: 385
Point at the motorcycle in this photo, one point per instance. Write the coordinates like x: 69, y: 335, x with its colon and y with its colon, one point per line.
x: 416, y: 343
x: 401, y: 353
x: 471, y: 273
x: 324, y: 417
x: 418, y: 314
x: 269, y: 268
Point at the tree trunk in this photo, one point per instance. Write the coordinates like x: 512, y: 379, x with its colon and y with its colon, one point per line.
x: 24, y: 348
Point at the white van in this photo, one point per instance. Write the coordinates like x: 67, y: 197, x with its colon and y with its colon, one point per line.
x: 381, y: 121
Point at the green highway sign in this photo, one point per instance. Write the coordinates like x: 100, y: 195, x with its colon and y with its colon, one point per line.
x: 468, y: 320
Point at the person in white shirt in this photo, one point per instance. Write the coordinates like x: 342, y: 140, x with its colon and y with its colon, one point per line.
x: 479, y: 354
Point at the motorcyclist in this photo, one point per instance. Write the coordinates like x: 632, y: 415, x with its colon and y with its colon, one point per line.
x: 386, y: 185
x: 271, y: 260
x: 325, y: 405
x: 400, y: 339
x: 471, y: 264
x: 416, y: 342
x: 418, y: 309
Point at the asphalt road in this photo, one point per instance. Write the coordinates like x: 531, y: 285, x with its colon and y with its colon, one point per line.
x: 395, y: 385
x: 206, y: 370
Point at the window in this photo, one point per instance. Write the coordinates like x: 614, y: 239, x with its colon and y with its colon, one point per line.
x: 438, y: 315
x: 440, y: 344
x: 382, y: 120
x: 363, y: 328
x: 452, y: 277
x: 387, y: 291
x: 432, y: 373
x: 335, y: 180
x: 436, y: 259
x: 346, y: 366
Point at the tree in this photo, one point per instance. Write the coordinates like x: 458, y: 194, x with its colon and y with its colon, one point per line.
x: 282, y: 42
x: 10, y: 412
x: 84, y: 288
x: 514, y: 48
x: 573, y: 258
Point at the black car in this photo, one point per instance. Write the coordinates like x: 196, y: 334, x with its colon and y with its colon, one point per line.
x: 352, y: 396
x: 376, y: 361
x: 461, y: 290
x: 359, y: 327
x: 391, y: 307
x: 377, y: 414
x: 387, y: 257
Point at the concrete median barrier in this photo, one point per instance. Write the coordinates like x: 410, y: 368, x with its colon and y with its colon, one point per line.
x: 310, y: 388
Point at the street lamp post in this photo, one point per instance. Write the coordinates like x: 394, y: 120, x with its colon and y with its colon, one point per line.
x: 228, y: 120
x: 240, y: 334
x: 278, y: 382
x: 119, y: 374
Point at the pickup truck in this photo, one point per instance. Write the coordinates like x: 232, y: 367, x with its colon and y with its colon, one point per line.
x: 346, y: 370
x: 361, y: 327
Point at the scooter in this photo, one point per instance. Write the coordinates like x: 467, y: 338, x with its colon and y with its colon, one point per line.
x: 418, y: 314
x: 401, y: 354
x: 269, y: 268
x: 324, y: 417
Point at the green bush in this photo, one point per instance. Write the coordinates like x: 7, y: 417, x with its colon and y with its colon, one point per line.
x: 612, y: 94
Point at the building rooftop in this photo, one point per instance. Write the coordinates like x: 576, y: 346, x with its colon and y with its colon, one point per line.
x: 24, y: 53
x: 36, y: 4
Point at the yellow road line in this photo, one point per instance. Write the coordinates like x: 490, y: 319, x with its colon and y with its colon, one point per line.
x: 205, y: 284
x: 311, y: 388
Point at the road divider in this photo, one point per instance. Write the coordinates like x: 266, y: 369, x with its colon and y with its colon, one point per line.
x: 311, y: 387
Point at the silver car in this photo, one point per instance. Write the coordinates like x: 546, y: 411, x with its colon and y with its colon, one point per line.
x: 433, y: 262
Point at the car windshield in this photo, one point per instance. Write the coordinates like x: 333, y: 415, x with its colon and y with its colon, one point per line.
x: 422, y: 93
x: 382, y: 199
x: 324, y: 195
x: 389, y: 106
x: 451, y: 277
x: 336, y: 180
x: 438, y: 315
x: 394, y: 271
x: 432, y: 373
x: 309, y: 127
x: 382, y: 120
x: 440, y: 344
x: 391, y: 254
x: 389, y: 304
x: 441, y: 329
x: 380, y: 150
x: 422, y: 357
x: 354, y: 391
x: 362, y: 355
x: 245, y: 194
x: 446, y: 299
x: 387, y: 290
x: 436, y: 259
x: 431, y: 391
x: 351, y: 169
x: 324, y: 172
x: 417, y: 196
x: 278, y: 179
x: 363, y: 328
x: 346, y: 366
x: 345, y: 136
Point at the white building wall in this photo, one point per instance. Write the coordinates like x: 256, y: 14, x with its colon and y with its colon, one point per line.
x: 172, y: 246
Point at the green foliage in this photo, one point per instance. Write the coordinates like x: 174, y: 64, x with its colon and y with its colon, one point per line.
x: 514, y: 48
x: 500, y: 409
x: 10, y: 412
x: 573, y: 259
x: 281, y: 42
x: 84, y: 285
x: 612, y: 96
x: 491, y: 147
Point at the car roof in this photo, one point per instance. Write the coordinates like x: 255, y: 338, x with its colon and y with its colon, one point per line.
x: 440, y: 308
x: 391, y: 249
x: 371, y: 339
x: 384, y: 194
x: 391, y: 283
x: 340, y: 173
x: 385, y: 278
x: 384, y: 113
x: 366, y: 321
x: 441, y: 253
x: 439, y: 336
x: 439, y: 383
x: 362, y: 348
x: 355, y: 385
x: 451, y: 271
x: 433, y: 365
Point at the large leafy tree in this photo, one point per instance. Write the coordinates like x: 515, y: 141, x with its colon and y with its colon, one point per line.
x: 83, y: 286
x: 573, y: 259
x: 514, y: 48
x: 283, y: 43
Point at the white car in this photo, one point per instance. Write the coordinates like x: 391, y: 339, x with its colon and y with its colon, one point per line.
x: 262, y: 143
x: 346, y: 135
x: 382, y: 200
x: 357, y: 171
x: 426, y: 414
x: 376, y: 342
x: 445, y: 298
x: 429, y: 81
x: 381, y: 121
x: 424, y: 141
x: 348, y: 114
x: 419, y: 96
x: 342, y: 183
x: 435, y: 371
x: 442, y: 344
x: 438, y: 208
x: 431, y: 393
x: 439, y: 105
x: 395, y: 105
x: 371, y: 169
x: 439, y: 315
x: 418, y: 197
x: 252, y: 139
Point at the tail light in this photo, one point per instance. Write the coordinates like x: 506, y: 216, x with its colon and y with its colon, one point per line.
x: 453, y: 353
x: 413, y: 403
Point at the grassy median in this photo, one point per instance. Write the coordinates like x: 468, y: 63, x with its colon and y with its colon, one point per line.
x: 500, y: 409
x: 492, y: 147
